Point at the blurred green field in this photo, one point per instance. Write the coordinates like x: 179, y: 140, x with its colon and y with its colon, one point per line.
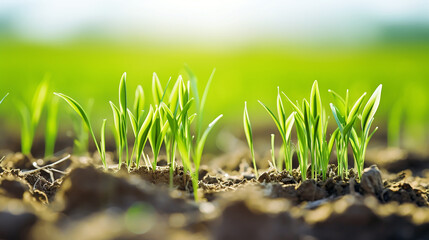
x: 86, y: 70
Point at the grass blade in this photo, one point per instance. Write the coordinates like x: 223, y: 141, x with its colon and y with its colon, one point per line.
x: 371, y: 107
x: 4, y: 97
x: 249, y: 136
x: 138, y: 105
x: 103, y: 143
x: 79, y: 110
x: 355, y: 107
x: 156, y: 89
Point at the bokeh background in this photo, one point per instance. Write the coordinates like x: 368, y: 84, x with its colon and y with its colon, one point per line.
x: 255, y: 46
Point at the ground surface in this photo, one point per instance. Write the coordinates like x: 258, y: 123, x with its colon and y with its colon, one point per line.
x: 80, y: 200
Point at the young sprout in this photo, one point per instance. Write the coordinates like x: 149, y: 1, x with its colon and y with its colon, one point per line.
x: 201, y: 137
x: 79, y: 110
x: 284, y: 125
x: 138, y: 105
x: 171, y: 111
x: 120, y: 120
x: 345, y: 119
x: 142, y: 136
x: 157, y: 134
x: 30, y: 116
x: 311, y: 126
x: 249, y: 137
x: 360, y: 142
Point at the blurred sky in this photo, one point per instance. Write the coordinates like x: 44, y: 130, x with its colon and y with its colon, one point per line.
x: 209, y: 22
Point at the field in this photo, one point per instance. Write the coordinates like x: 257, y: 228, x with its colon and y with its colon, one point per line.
x: 147, y: 173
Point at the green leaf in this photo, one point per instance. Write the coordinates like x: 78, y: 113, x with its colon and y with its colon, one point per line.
x: 142, y: 136
x: 346, y: 104
x: 4, y: 97
x: 202, y: 141
x: 193, y: 81
x: 174, y: 95
x: 133, y: 120
x: 38, y: 103
x: 184, y: 113
x: 123, y: 94
x: 276, y: 121
x: 371, y: 107
x: 103, y: 143
x: 349, y: 126
x: 339, y: 101
x: 77, y: 107
x: 138, y: 105
x: 289, y: 124
x: 273, y: 154
x: 295, y: 107
x: 355, y: 108
x: 170, y: 118
x: 370, y: 136
x: 332, y: 139
x: 315, y: 100
x: 116, y: 118
x: 79, y: 110
x: 200, y: 112
x: 183, y: 93
x: 338, y: 118
x: 248, y: 128
x: 157, y: 90
x: 280, y: 110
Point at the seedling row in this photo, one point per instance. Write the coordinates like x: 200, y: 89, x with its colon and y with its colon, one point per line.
x: 174, y: 119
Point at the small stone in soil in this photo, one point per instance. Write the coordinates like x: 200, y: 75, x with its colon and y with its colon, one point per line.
x: 371, y: 180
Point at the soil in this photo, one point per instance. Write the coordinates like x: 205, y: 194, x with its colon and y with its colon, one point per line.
x: 78, y: 199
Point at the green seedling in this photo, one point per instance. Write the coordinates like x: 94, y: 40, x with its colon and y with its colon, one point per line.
x: 138, y: 106
x: 141, y: 135
x: 311, y: 126
x: 79, y: 110
x: 120, y: 120
x: 156, y: 135
x: 176, y: 111
x: 30, y: 116
x: 159, y: 128
x: 284, y: 125
x: 345, y: 117
x: 249, y: 137
x: 201, y: 137
x: 359, y: 142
